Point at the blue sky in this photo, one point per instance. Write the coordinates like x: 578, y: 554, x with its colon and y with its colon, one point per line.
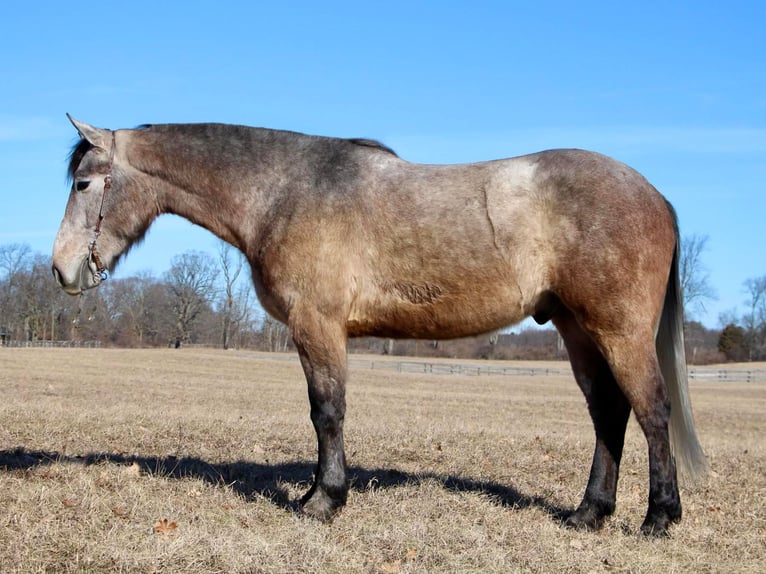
x: 675, y: 89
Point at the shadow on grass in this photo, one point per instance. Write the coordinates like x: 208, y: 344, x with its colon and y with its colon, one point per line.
x: 251, y: 479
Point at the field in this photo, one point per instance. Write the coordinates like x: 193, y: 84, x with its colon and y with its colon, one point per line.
x: 193, y: 461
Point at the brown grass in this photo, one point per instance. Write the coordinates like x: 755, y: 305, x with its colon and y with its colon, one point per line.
x: 451, y: 473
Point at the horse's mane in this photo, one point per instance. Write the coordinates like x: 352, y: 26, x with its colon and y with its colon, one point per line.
x: 375, y: 144
x: 364, y: 142
x: 75, y: 156
x: 82, y: 146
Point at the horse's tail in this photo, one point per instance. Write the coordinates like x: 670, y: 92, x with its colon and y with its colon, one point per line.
x: 687, y: 450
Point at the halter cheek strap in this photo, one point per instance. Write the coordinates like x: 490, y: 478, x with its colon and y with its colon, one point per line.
x: 93, y: 254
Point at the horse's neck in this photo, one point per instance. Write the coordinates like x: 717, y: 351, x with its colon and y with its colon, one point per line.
x: 203, y: 183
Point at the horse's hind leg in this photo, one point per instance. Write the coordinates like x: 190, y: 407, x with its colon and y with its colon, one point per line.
x: 322, y: 349
x: 609, y: 410
x: 632, y: 358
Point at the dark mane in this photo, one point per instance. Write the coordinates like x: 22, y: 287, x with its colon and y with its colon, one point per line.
x: 364, y: 142
x: 375, y: 144
x: 83, y: 146
x: 75, y: 156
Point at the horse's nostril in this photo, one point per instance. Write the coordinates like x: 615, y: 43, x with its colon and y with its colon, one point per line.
x: 57, y: 276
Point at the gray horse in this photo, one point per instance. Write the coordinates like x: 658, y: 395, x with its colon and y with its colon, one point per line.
x: 346, y: 239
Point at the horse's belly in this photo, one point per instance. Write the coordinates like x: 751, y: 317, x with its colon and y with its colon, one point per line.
x: 429, y: 311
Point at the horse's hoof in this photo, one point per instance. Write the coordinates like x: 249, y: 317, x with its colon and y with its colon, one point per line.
x: 654, y: 530
x: 584, y: 519
x: 659, y: 518
x: 319, y: 505
x: 656, y: 526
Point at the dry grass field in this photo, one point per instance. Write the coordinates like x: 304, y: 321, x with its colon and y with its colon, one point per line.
x: 192, y: 461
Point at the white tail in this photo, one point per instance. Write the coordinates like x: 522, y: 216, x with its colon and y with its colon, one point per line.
x: 690, y: 458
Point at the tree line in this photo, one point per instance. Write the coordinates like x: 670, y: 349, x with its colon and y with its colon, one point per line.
x: 201, y: 299
x: 742, y: 336
x: 206, y: 299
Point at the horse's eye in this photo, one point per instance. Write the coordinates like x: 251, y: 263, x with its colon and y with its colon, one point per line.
x: 82, y: 185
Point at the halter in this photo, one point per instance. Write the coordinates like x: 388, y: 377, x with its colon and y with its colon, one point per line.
x: 93, y: 254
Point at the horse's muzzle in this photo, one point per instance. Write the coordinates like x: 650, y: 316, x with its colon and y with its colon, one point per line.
x: 88, y: 277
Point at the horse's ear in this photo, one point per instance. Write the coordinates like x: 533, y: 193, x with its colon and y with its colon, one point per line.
x: 96, y: 136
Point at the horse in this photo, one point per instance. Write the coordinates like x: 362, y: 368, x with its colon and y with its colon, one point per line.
x: 346, y: 239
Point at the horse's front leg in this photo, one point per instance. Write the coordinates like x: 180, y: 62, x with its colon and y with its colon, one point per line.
x: 321, y: 344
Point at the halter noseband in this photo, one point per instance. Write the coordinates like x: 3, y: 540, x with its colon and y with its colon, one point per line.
x: 93, y: 254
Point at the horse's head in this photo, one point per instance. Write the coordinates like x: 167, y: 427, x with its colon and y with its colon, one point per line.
x: 105, y: 214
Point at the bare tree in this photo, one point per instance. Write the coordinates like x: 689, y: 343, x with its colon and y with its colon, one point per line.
x: 236, y: 299
x: 37, y: 300
x: 276, y: 335
x: 191, y: 282
x: 695, y: 279
x: 755, y: 319
x: 138, y: 307
x: 14, y: 258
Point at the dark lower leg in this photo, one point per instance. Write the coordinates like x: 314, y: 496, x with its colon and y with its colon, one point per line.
x: 610, y: 411
x: 329, y: 491
x: 321, y: 347
x: 639, y: 376
x: 664, y: 500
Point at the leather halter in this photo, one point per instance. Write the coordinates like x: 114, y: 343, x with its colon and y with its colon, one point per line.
x: 93, y: 254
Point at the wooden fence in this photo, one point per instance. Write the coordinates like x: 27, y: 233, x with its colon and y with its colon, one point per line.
x: 706, y: 374
x: 470, y: 368
x: 710, y: 374
x: 441, y: 368
x: 52, y: 344
x: 511, y: 369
